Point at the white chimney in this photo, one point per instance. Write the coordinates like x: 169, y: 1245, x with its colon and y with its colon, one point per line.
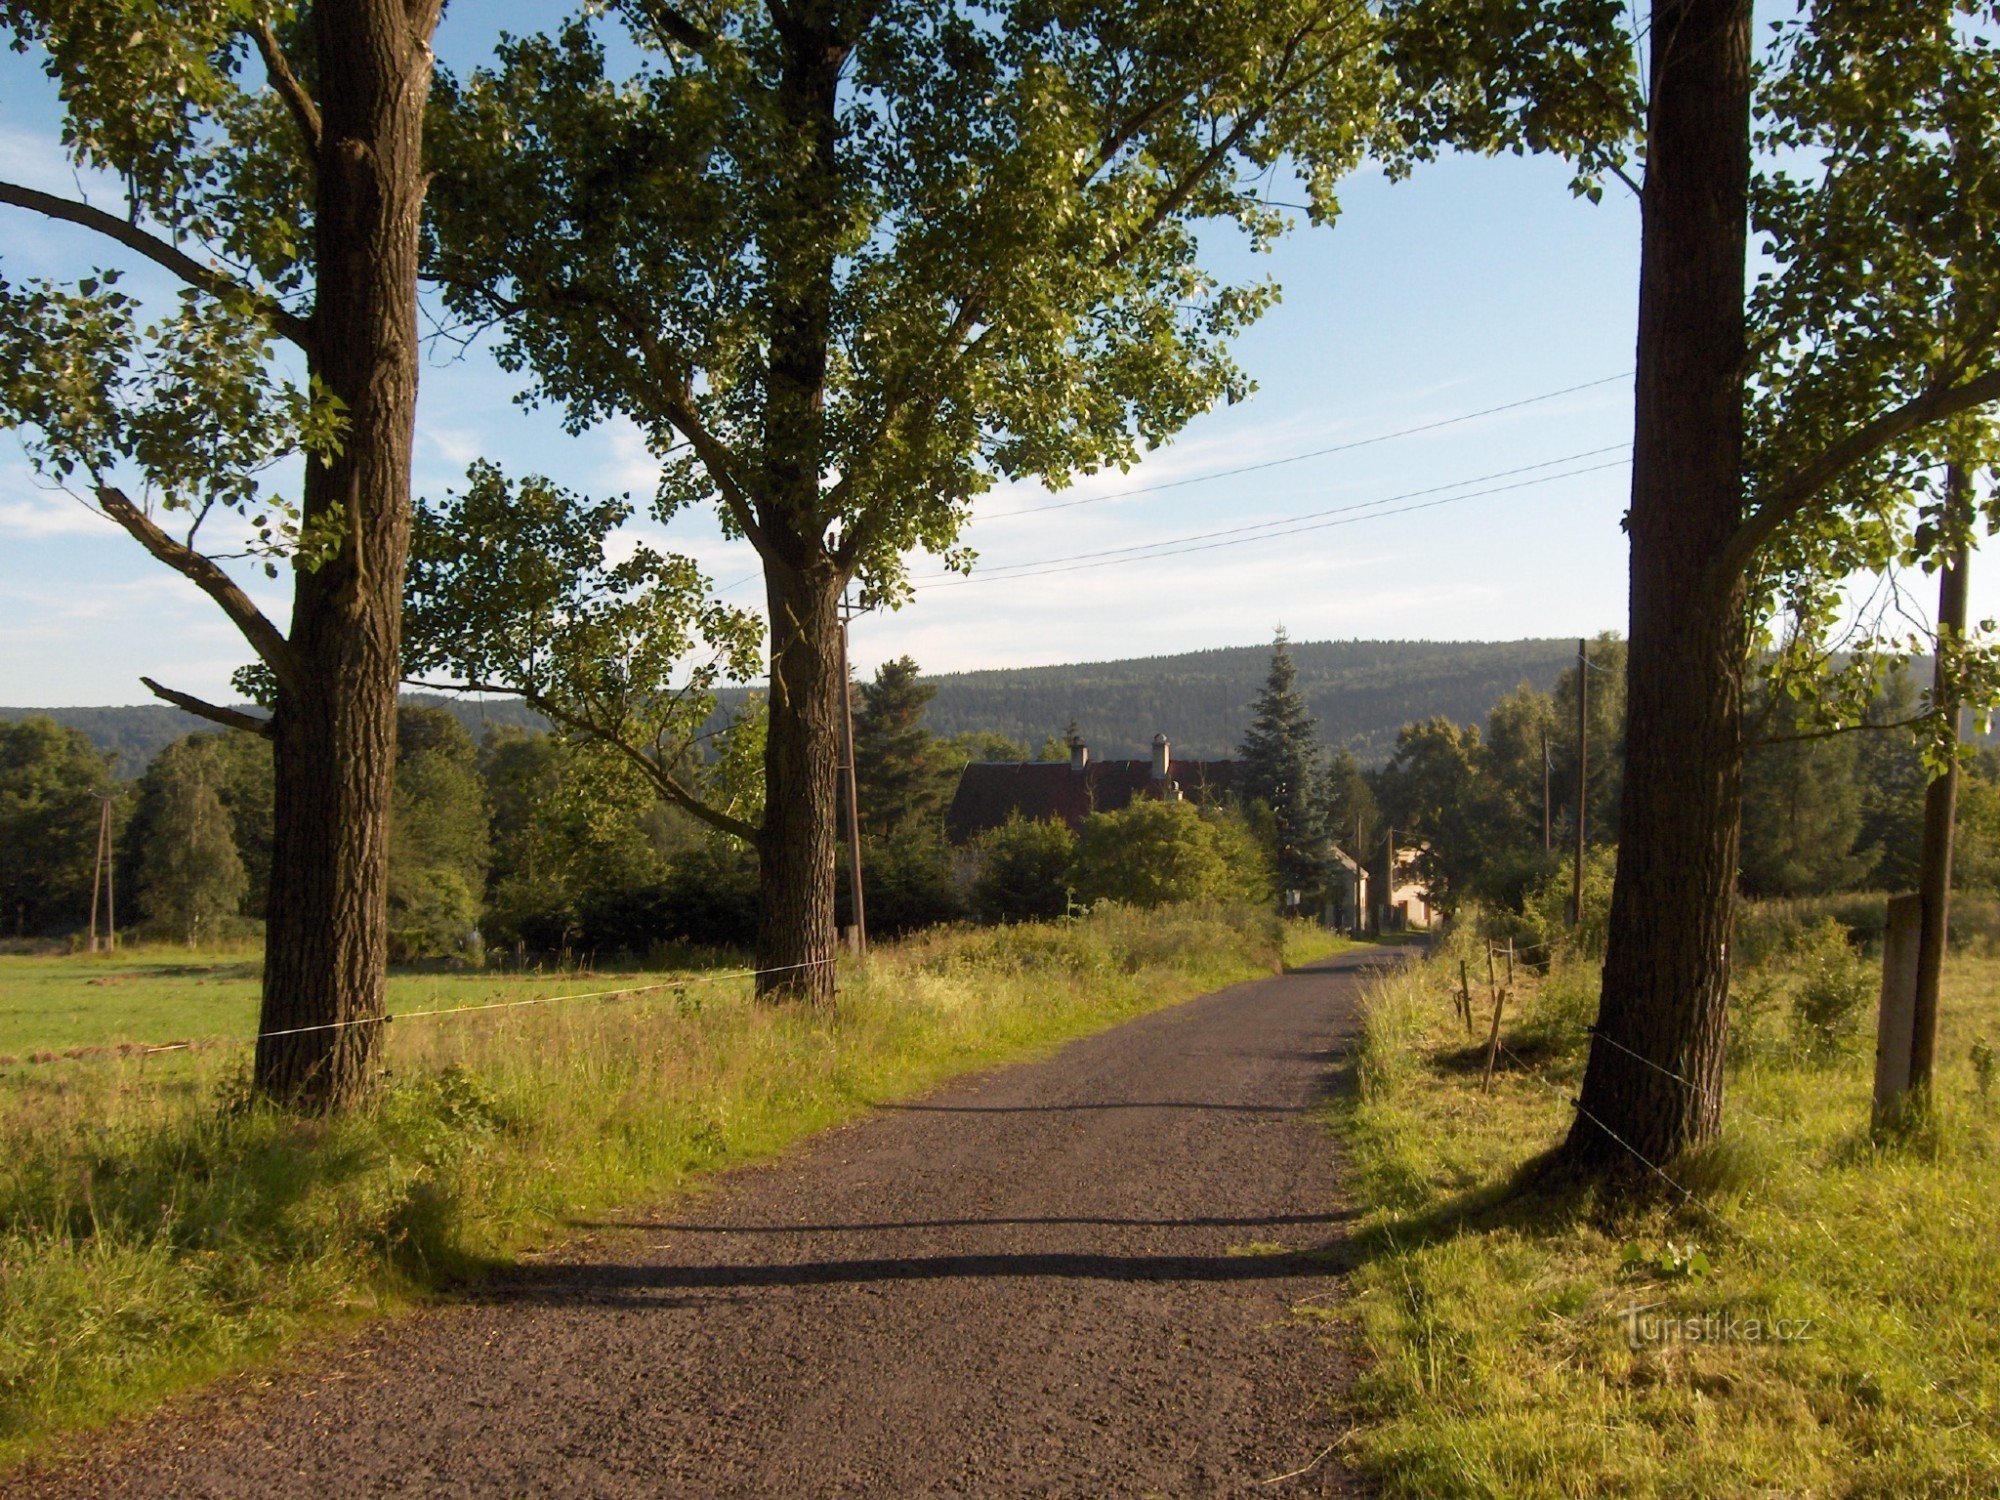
x: 1079, y: 753
x: 1162, y: 757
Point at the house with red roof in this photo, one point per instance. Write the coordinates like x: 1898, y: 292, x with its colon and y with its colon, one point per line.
x: 990, y: 792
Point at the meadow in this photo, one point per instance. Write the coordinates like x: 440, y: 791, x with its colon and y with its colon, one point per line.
x: 158, y: 1227
x: 1819, y: 1316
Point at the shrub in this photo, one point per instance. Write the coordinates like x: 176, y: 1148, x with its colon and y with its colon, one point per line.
x: 907, y: 886
x: 1835, y: 989
x: 1024, y: 869
x: 1154, y: 853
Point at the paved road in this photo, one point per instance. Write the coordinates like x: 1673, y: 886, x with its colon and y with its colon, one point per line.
x: 1055, y: 1279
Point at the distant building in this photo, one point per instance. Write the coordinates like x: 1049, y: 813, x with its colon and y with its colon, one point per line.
x: 992, y: 791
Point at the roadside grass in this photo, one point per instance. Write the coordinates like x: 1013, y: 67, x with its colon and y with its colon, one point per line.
x: 1824, y: 1321
x: 156, y: 1229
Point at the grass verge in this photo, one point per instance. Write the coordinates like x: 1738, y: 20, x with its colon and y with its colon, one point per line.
x: 1826, y: 1322
x: 155, y: 1229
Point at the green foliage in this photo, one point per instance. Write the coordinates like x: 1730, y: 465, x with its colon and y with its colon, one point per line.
x: 1024, y: 870
x: 1878, y: 211
x: 1153, y: 853
x: 511, y: 590
x: 191, y: 879
x: 904, y: 776
x: 187, y: 395
x: 1802, y: 806
x: 439, y: 841
x: 983, y: 251
x: 908, y: 883
x: 1280, y: 768
x: 51, y: 788
x: 1835, y: 989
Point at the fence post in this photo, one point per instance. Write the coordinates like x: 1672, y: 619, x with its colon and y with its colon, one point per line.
x: 1464, y: 997
x: 1493, y: 1041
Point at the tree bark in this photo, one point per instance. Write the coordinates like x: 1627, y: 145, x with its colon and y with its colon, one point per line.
x: 334, y: 727
x: 797, y: 845
x: 797, y: 848
x: 1653, y: 1085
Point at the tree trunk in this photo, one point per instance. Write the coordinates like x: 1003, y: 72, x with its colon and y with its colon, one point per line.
x: 797, y: 847
x: 1653, y: 1087
x: 334, y: 733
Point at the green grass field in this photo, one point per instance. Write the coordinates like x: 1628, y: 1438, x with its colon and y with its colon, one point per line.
x: 157, y: 1229
x: 162, y: 995
x: 1824, y: 1321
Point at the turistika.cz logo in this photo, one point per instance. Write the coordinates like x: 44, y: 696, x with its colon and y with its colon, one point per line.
x: 1644, y: 1327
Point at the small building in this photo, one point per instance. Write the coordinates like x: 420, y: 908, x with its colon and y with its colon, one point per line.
x: 992, y: 791
x: 1346, y: 897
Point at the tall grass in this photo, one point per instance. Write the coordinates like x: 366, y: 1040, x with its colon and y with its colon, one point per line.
x: 156, y: 1229
x: 1530, y: 1341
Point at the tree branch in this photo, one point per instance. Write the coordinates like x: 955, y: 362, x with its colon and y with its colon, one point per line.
x: 264, y: 637
x: 1800, y: 488
x: 281, y: 319
x: 662, y: 779
x: 286, y: 82
x: 675, y: 27
x: 228, y: 718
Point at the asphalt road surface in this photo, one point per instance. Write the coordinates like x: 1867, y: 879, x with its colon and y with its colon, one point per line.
x: 1074, y: 1277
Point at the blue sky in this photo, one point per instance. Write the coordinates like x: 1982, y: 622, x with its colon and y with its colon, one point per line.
x: 1476, y: 283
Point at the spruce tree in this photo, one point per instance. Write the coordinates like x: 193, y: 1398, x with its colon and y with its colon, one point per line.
x: 1282, y: 769
x: 903, y: 784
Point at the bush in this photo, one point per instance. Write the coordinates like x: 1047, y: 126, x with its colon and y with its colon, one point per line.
x: 1024, y: 869
x: 907, y: 886
x: 1154, y: 853
x: 1835, y: 989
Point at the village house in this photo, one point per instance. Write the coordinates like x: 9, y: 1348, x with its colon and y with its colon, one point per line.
x: 992, y: 791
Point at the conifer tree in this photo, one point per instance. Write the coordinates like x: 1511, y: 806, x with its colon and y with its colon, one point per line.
x: 902, y: 783
x: 1282, y: 769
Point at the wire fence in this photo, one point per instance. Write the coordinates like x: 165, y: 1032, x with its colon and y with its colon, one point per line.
x: 623, y: 991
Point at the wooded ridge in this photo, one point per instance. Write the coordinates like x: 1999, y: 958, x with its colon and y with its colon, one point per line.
x: 1361, y: 691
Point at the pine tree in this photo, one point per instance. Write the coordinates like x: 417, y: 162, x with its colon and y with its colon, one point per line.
x: 1282, y: 769
x: 903, y: 784
x: 191, y: 878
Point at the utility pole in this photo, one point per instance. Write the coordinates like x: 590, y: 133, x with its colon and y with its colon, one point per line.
x: 859, y: 906
x: 1546, y: 843
x: 97, y: 870
x: 1388, y: 880
x: 1941, y: 797
x: 110, y: 880
x: 1582, y: 779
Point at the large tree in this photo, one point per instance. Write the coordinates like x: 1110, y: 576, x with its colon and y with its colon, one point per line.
x: 191, y: 879
x: 1874, y: 331
x: 846, y: 263
x: 271, y: 159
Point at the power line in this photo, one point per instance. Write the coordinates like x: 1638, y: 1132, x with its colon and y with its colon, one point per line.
x: 1346, y: 447
x: 1343, y: 516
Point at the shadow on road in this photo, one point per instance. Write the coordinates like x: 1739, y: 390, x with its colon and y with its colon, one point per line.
x: 640, y: 1285
x: 1261, y: 1221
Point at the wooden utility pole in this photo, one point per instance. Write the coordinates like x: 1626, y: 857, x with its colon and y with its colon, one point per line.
x: 858, y: 905
x: 1547, y: 842
x: 97, y: 870
x: 1388, y: 880
x: 110, y: 879
x: 1582, y: 778
x: 1941, y: 797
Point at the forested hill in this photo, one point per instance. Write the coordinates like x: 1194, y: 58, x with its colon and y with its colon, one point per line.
x: 1362, y: 691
